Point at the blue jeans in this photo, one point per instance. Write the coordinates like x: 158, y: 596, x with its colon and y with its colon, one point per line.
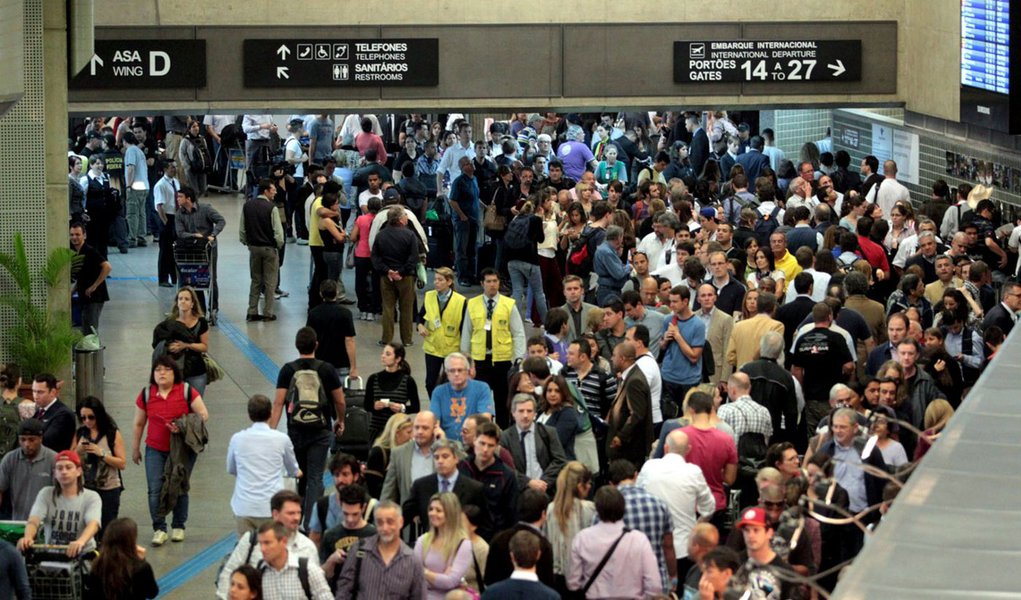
x: 527, y: 277
x: 465, y: 250
x: 154, y: 463
x: 199, y: 382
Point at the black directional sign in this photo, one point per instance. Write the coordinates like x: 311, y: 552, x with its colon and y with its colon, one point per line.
x: 144, y: 64
x: 341, y: 63
x: 748, y: 61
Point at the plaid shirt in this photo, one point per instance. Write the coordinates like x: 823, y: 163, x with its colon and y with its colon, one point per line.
x: 747, y: 416
x: 648, y: 514
x: 286, y: 584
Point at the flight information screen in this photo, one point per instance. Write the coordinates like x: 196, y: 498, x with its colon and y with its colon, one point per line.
x: 985, y: 45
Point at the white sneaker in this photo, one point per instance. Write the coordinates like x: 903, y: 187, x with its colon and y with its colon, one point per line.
x: 177, y: 535
x: 159, y: 538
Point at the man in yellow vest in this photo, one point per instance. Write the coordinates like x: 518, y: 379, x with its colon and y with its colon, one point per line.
x: 439, y: 322
x: 493, y: 335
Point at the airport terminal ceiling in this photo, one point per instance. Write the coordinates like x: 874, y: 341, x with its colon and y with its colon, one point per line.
x: 575, y: 67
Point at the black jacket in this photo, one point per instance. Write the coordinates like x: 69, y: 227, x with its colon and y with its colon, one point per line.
x: 58, y: 426
x: 467, y: 490
x: 499, y: 566
x: 395, y: 248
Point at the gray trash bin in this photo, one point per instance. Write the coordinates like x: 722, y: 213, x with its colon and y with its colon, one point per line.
x: 88, y: 372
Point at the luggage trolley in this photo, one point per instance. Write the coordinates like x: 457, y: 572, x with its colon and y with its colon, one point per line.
x: 52, y: 575
x: 195, y: 268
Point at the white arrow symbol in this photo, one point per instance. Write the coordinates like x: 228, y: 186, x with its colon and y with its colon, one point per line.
x: 93, y: 63
x: 283, y: 51
x: 282, y: 73
x: 838, y: 69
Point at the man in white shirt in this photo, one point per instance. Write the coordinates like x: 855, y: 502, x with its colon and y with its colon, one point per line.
x: 258, y: 457
x: 658, y: 246
x: 214, y: 127
x: 450, y: 162
x: 682, y: 487
x: 649, y: 366
x: 890, y: 191
x: 164, y: 196
x: 258, y: 129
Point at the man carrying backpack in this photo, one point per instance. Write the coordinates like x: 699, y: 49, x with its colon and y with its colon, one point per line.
x: 311, y: 393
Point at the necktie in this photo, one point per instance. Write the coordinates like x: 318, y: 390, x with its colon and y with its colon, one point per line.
x: 524, y: 452
x: 39, y: 414
x: 445, y: 484
x: 489, y: 332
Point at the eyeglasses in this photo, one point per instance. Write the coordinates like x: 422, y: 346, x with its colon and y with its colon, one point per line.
x: 88, y: 417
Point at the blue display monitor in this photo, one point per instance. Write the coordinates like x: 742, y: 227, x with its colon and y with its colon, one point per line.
x: 985, y: 45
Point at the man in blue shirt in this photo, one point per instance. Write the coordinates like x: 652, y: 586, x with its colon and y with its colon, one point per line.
x: 459, y: 397
x: 464, y: 208
x: 683, y: 339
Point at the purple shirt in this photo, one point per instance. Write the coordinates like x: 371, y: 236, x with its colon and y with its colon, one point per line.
x: 448, y: 574
x: 632, y: 571
x: 575, y: 156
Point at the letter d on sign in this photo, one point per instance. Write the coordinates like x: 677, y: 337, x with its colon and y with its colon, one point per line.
x: 159, y: 63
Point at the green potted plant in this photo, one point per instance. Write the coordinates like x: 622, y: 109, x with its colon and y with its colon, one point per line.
x: 40, y: 340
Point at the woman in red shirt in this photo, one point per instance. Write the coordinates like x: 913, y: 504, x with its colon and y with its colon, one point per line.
x: 157, y: 407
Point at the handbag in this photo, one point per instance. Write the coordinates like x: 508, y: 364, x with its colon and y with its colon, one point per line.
x: 493, y: 221
x: 214, y: 372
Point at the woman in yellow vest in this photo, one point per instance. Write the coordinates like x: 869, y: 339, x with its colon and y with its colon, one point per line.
x: 439, y: 322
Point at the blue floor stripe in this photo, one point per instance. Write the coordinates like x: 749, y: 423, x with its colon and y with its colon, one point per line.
x: 196, y: 564
x: 252, y: 352
x: 151, y: 278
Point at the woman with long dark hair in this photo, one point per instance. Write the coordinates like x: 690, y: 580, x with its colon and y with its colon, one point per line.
x: 120, y: 572
x: 557, y: 410
x: 245, y: 584
x: 392, y: 390
x: 185, y: 337
x: 100, y: 446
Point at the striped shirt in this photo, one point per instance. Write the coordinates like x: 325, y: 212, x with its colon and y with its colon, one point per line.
x: 598, y: 388
x: 402, y: 579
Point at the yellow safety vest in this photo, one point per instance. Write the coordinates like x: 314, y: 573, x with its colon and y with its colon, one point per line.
x: 503, y: 344
x: 444, y: 329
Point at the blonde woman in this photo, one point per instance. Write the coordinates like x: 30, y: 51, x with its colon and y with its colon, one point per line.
x: 568, y: 514
x: 396, y: 432
x: 937, y: 415
x: 446, y: 551
x: 185, y: 337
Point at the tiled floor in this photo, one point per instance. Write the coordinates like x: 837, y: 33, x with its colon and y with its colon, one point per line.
x: 137, y: 304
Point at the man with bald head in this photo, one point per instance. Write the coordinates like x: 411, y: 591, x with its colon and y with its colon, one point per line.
x: 888, y: 191
x: 630, y: 420
x: 683, y: 488
x: 704, y: 537
x: 650, y: 296
x: 743, y: 413
x: 411, y: 461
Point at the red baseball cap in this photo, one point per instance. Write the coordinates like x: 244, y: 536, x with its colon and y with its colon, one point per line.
x: 753, y: 516
x: 69, y: 456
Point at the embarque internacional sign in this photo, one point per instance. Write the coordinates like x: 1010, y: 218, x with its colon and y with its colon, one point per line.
x: 144, y: 64
x: 341, y: 63
x: 749, y: 61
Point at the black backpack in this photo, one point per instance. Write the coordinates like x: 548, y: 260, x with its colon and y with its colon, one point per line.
x: 765, y: 225
x: 307, y: 403
x: 708, y: 362
x: 516, y: 237
x: 253, y: 541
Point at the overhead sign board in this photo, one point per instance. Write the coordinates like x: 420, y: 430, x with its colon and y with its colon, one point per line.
x: 341, y: 63
x: 751, y: 61
x: 144, y: 64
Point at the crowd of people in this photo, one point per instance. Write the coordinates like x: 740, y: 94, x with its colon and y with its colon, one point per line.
x: 682, y: 343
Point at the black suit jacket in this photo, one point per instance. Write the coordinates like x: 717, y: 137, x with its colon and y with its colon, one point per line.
x: 548, y: 450
x: 58, y: 427
x: 467, y: 490
x: 791, y: 315
x: 998, y: 316
x: 631, y: 420
x: 499, y: 566
x: 879, y: 355
x: 698, y: 152
x: 753, y: 162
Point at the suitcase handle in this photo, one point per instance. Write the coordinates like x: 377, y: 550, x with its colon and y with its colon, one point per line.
x: 358, y: 380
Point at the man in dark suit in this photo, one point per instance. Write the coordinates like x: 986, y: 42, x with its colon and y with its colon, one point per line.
x: 752, y: 159
x: 896, y: 330
x: 1003, y: 314
x: 630, y: 420
x: 525, y: 554
x: 58, y: 420
x: 794, y: 312
x: 698, y: 150
x: 532, y: 515
x: 538, y: 455
x: 447, y: 479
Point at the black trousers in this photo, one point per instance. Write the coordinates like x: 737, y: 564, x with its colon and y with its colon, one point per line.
x: 495, y: 374
x: 166, y: 266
